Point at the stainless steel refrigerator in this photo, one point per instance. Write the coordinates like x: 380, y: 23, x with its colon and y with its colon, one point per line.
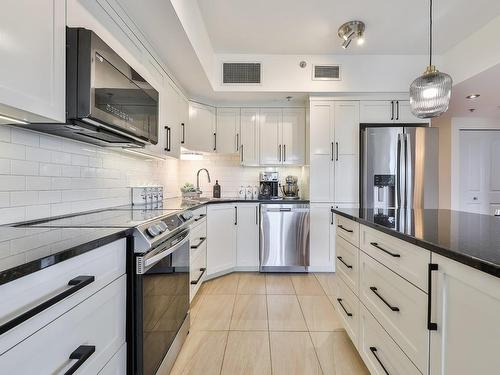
x: 399, y: 167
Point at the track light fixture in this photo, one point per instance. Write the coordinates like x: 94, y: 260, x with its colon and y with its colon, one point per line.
x: 351, y: 30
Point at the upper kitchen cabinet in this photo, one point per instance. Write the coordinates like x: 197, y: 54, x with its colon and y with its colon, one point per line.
x: 228, y: 130
x: 33, y: 60
x: 388, y: 111
x: 321, y: 128
x: 346, y: 121
x: 173, y: 106
x: 249, y: 136
x: 200, y: 132
x: 282, y: 136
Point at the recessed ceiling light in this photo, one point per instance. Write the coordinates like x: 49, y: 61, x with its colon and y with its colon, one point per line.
x: 473, y: 96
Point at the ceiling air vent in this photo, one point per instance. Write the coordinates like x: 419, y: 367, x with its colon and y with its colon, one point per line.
x: 241, y: 73
x: 326, y: 72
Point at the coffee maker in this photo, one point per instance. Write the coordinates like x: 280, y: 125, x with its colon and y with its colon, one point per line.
x: 269, y: 185
x: 290, y: 189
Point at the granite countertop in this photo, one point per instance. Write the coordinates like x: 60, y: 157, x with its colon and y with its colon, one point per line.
x: 24, y: 250
x: 468, y: 238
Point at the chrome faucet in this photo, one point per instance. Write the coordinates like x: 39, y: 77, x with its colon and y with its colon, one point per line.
x: 198, y: 179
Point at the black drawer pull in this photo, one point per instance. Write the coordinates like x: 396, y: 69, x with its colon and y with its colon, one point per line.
x: 76, y: 284
x: 194, y: 282
x: 202, y: 239
x: 200, y: 217
x: 81, y: 354
x: 374, y: 244
x: 345, y: 264
x: 431, y: 326
x: 343, y: 307
x: 374, y: 290
x: 347, y: 230
x: 374, y: 352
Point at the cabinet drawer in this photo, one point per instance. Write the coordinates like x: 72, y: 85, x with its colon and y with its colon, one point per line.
x: 197, y: 272
x: 105, y: 264
x: 199, y: 213
x: 347, y: 263
x: 118, y: 364
x: 347, y: 306
x: 348, y: 230
x: 98, y: 321
x: 399, y: 306
x: 407, y: 260
x: 379, y: 352
x: 198, y: 241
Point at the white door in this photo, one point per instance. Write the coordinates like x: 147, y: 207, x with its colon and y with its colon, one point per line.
x: 33, y: 59
x: 322, y: 128
x: 346, y: 127
x: 247, y: 249
x: 271, y: 148
x: 404, y: 115
x: 249, y: 133
x: 466, y: 309
x: 319, y: 245
x: 376, y: 111
x: 221, y: 238
x: 321, y: 175
x: 200, y: 131
x: 346, y: 179
x: 479, y: 171
x: 293, y: 136
x: 228, y: 125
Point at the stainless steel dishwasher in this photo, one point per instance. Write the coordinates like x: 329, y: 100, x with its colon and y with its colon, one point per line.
x: 284, y: 237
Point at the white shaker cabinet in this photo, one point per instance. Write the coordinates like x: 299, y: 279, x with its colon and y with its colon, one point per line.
x: 465, y: 307
x: 247, y: 247
x: 322, y: 233
x: 33, y: 61
x: 171, y: 120
x: 346, y: 119
x: 228, y: 130
x: 293, y: 133
x: 321, y: 128
x: 200, y: 131
x: 270, y: 120
x: 388, y: 111
x: 249, y: 136
x: 221, y: 238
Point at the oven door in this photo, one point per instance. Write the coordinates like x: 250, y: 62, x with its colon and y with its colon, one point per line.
x: 162, y: 302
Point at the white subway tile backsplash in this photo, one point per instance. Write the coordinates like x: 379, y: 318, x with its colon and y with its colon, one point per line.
x: 49, y: 197
x: 11, y: 215
x: 61, y: 183
x: 70, y: 171
x: 38, y: 154
x: 12, y: 151
x: 12, y: 183
x: 23, y: 198
x: 37, y: 212
x: 5, y: 132
x: 79, y: 160
x: 60, y: 157
x: 4, y: 199
x: 50, y: 169
x: 24, y: 168
x: 38, y: 183
x: 23, y: 137
x: 5, y: 166
x: 51, y: 143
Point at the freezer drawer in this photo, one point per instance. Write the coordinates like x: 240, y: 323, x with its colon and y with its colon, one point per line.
x: 284, y: 238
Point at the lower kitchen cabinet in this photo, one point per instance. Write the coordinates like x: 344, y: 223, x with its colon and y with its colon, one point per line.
x: 221, y: 238
x: 247, y: 247
x: 322, y: 238
x: 465, y: 308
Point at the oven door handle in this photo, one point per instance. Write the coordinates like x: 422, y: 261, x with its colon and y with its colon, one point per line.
x: 145, y: 262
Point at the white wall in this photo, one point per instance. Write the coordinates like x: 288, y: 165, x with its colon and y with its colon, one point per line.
x: 42, y: 175
x: 229, y: 172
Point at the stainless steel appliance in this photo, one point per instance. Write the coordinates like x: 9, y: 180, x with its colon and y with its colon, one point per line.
x: 107, y: 102
x: 399, y: 167
x: 284, y: 237
x: 290, y: 189
x: 269, y: 185
x: 161, y: 292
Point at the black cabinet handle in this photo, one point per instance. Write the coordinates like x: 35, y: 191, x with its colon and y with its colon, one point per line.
x: 235, y: 215
x: 241, y: 150
x: 374, y: 290
x: 194, y: 282
x: 257, y: 215
x: 397, y: 109
x: 430, y: 325
x: 202, y: 239
x: 336, y: 151
x: 284, y: 152
x: 215, y: 141
x: 392, y: 109
x: 374, y: 352
x: 331, y: 215
x: 332, y: 151
x: 343, y: 307
x: 183, y: 133
x: 343, y: 228
x: 374, y: 244
x: 81, y: 354
x: 200, y: 217
x: 76, y: 284
x: 237, y: 141
x: 279, y: 152
x: 345, y: 264
x: 167, y: 128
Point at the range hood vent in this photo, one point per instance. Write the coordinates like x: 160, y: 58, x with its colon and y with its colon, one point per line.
x: 246, y: 73
x: 326, y: 73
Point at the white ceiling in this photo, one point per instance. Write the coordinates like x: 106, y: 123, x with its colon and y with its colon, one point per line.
x: 486, y: 84
x: 310, y: 26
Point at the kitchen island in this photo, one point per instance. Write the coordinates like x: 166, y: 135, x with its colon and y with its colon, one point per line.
x: 419, y: 290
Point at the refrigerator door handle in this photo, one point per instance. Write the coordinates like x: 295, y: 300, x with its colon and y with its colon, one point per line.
x: 400, y: 173
x: 409, y: 172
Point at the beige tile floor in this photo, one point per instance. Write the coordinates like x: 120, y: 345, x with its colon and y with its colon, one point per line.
x: 251, y: 323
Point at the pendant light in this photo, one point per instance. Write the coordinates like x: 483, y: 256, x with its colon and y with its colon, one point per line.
x: 430, y: 93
